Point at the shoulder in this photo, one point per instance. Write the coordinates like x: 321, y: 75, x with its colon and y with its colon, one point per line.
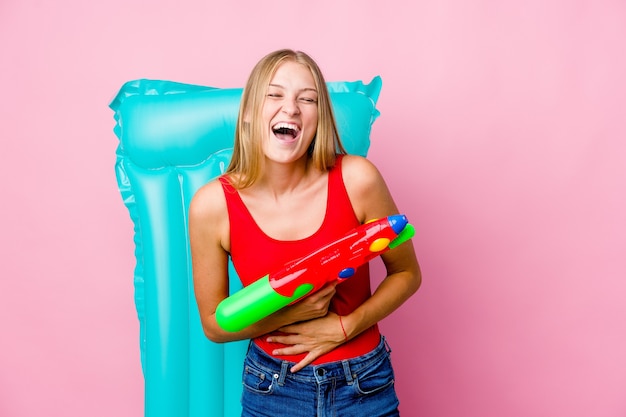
x: 208, y: 214
x: 208, y: 200
x: 366, y: 188
x: 358, y: 171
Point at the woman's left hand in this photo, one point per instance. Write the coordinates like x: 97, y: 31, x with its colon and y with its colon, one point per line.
x: 314, y: 337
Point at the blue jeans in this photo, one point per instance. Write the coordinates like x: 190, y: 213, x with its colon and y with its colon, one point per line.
x: 359, y: 387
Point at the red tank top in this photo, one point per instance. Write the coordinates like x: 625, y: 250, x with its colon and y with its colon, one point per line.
x: 255, y: 254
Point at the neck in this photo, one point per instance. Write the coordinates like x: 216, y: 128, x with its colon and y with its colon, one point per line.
x: 283, y: 179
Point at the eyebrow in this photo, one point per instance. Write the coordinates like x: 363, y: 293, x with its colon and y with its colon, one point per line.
x: 304, y: 89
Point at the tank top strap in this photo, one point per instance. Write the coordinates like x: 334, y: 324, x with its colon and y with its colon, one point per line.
x: 340, y: 210
x: 241, y: 221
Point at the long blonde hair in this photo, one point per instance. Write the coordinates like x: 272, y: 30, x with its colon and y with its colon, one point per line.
x: 247, y: 160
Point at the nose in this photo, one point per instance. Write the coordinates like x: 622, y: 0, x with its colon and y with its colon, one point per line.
x: 290, y: 107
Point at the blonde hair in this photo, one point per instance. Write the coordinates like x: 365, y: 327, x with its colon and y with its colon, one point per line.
x: 247, y: 160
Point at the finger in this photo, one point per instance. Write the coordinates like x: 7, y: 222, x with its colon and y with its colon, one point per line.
x: 284, y: 339
x: 327, y: 289
x: 290, y: 350
x: 307, y: 360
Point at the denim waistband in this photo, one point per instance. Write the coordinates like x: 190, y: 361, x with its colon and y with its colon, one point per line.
x: 345, y: 369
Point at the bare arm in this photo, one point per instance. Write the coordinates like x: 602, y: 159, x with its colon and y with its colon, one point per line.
x: 371, y: 199
x: 209, y: 239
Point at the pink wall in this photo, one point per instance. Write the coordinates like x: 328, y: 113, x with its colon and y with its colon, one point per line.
x: 502, y: 135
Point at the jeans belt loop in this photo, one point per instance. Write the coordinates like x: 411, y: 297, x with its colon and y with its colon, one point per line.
x: 387, y: 347
x: 284, y: 367
x: 347, y: 372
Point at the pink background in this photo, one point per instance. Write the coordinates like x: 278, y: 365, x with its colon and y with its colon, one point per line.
x: 502, y: 136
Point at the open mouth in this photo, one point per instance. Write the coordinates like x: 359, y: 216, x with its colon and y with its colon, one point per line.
x: 286, y: 131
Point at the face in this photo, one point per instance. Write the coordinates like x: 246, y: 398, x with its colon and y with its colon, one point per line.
x: 289, y: 113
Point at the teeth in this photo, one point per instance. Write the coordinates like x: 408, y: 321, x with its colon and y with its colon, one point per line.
x: 286, y: 126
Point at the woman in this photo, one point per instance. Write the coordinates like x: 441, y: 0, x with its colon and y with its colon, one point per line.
x: 289, y: 190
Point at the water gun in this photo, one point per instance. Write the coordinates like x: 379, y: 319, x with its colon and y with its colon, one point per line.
x: 337, y: 260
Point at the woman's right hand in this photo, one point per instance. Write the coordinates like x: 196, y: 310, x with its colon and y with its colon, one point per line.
x: 312, y: 307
